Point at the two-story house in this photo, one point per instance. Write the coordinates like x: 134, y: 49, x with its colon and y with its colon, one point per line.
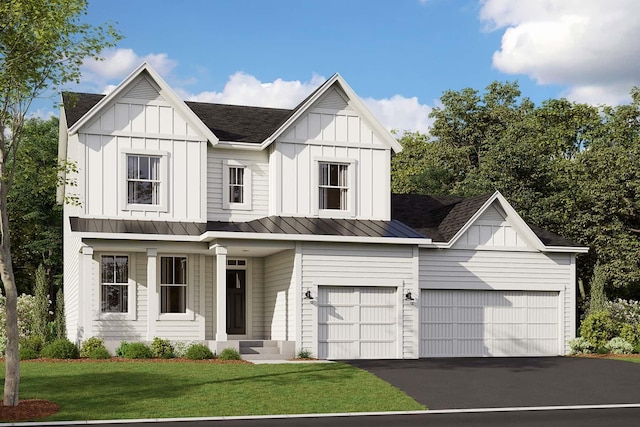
x: 254, y: 227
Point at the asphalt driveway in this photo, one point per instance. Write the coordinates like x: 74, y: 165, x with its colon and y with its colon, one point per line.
x: 460, y: 383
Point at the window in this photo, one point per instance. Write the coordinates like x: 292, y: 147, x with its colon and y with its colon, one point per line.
x: 173, y: 284
x: 143, y: 180
x: 333, y: 186
x: 236, y: 185
x: 114, y: 295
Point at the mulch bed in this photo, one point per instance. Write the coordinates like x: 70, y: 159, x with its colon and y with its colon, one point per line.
x: 608, y: 356
x: 28, y: 410
x: 122, y: 359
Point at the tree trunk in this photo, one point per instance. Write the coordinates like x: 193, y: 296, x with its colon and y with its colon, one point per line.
x: 12, y: 357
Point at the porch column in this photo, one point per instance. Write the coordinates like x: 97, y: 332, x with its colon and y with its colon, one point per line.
x: 153, y: 297
x: 87, y: 288
x: 221, y: 293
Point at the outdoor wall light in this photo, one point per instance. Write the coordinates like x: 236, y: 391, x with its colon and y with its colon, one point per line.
x: 307, y: 295
x: 408, y: 296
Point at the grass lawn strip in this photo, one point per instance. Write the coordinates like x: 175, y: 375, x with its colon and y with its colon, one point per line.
x: 634, y: 358
x: 121, y: 390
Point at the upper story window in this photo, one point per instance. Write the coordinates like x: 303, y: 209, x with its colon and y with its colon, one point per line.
x: 173, y: 284
x: 236, y: 185
x: 114, y: 288
x: 333, y: 186
x: 144, y: 180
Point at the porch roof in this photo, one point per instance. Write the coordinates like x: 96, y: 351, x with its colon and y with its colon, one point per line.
x: 268, y: 225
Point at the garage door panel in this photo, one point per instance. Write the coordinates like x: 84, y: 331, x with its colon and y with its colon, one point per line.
x: 489, y: 323
x: 357, y: 322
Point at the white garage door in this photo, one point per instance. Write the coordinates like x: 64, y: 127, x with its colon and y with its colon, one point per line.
x: 489, y: 323
x: 357, y: 323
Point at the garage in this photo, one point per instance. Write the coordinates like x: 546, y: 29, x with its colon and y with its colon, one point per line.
x: 358, y: 322
x: 473, y: 323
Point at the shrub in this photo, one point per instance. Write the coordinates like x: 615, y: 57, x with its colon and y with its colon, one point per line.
x: 229, y: 354
x: 89, y: 345
x: 60, y: 349
x: 162, y: 348
x: 60, y: 325
x: 122, y: 349
x: 198, y: 352
x: 180, y: 348
x: 41, y: 305
x: 94, y: 348
x: 137, y: 350
x: 618, y: 345
x: 303, y: 353
x: 597, y: 328
x: 580, y: 345
x: 629, y: 333
x: 34, y: 342
x: 98, y: 353
x: 27, y: 354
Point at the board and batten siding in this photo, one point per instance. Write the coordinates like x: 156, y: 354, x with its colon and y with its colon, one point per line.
x: 146, y: 123
x: 360, y: 266
x: 279, y: 305
x: 503, y: 270
x: 491, y: 229
x: 257, y: 299
x: 257, y: 162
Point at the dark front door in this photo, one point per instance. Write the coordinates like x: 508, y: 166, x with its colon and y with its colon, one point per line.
x: 236, y: 302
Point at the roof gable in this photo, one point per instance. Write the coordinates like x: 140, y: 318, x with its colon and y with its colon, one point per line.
x: 143, y: 83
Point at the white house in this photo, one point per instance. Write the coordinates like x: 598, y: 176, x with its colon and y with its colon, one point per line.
x: 273, y: 230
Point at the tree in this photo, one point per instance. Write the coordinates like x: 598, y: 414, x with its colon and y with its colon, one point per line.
x: 41, y: 318
x: 34, y: 216
x: 42, y: 46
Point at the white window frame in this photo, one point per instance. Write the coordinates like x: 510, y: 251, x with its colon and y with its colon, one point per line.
x: 130, y: 314
x: 164, y: 181
x: 351, y: 188
x: 227, y: 165
x: 189, y: 313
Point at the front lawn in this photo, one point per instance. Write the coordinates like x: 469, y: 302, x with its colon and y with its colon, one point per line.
x: 120, y: 390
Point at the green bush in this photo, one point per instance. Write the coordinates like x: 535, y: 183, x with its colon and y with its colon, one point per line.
x: 122, y: 349
x: 629, y: 333
x: 162, y: 348
x: 303, y: 353
x: 198, y: 352
x: 138, y: 350
x: 618, y: 345
x: 98, y: 353
x: 89, y: 345
x: 34, y: 342
x: 60, y: 349
x: 597, y: 328
x: 28, y: 354
x: 580, y: 345
x: 229, y: 354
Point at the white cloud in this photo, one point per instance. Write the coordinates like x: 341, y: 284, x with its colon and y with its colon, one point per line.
x: 401, y: 113
x: 396, y: 112
x: 118, y: 63
x: 245, y: 89
x: 588, y: 45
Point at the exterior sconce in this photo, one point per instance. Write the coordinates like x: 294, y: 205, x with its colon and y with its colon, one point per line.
x: 307, y: 295
x: 408, y: 296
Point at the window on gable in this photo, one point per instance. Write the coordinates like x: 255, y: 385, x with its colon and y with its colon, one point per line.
x: 143, y: 180
x: 114, y: 292
x: 333, y: 186
x: 173, y: 284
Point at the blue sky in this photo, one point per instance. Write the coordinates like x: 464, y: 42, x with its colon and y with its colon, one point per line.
x: 398, y: 55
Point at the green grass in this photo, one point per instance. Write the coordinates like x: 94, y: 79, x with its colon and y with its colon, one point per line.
x: 120, y: 390
x: 634, y: 359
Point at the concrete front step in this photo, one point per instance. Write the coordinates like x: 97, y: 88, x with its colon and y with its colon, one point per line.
x: 258, y: 344
x: 259, y: 350
x: 277, y: 356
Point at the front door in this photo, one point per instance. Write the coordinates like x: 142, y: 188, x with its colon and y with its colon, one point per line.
x: 236, y: 302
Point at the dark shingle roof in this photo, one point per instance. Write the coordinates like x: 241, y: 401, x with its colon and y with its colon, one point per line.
x: 269, y: 225
x: 236, y: 123
x: 441, y: 217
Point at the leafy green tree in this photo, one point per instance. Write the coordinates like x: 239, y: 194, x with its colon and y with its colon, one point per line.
x: 34, y: 216
x: 43, y: 43
x: 41, y: 318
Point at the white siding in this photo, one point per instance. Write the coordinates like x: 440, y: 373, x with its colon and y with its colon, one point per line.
x: 279, y: 307
x: 210, y: 295
x: 258, y: 164
x: 296, y: 172
x: 504, y: 270
x: 359, y: 266
x: 257, y: 299
x: 491, y: 229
